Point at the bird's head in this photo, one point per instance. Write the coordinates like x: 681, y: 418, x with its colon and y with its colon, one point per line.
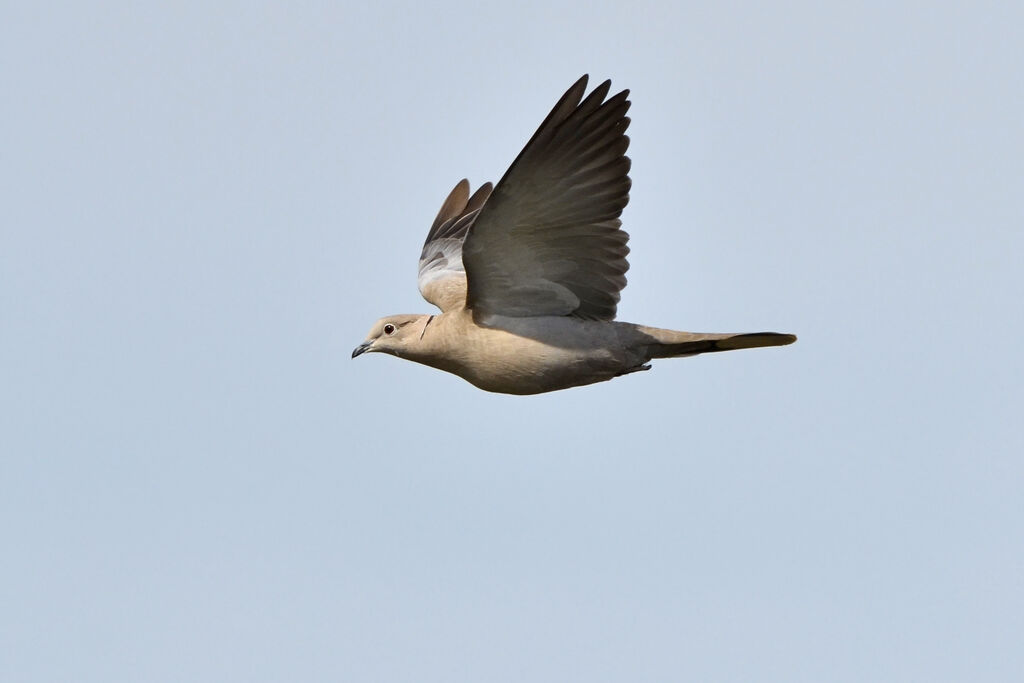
x: 395, y: 334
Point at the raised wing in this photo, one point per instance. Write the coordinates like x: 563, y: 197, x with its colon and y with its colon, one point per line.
x: 442, y: 278
x: 547, y: 242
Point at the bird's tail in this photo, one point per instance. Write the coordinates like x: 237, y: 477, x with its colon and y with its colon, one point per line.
x: 671, y: 344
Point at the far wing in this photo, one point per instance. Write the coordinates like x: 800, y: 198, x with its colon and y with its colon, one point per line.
x: 442, y: 278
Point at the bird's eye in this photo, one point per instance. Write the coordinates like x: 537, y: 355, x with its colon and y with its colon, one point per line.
x: 389, y: 329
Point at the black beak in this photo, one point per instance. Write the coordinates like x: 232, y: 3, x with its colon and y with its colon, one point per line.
x: 361, y: 349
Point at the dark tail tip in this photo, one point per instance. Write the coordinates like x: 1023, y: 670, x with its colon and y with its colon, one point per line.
x: 754, y: 340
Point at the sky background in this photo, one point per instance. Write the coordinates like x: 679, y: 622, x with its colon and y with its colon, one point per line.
x: 206, y: 205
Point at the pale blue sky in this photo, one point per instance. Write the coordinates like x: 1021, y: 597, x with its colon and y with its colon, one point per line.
x: 205, y: 207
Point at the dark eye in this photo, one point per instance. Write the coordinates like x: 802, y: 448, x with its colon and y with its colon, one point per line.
x: 389, y: 329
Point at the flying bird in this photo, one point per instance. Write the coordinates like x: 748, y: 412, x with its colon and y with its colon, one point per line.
x: 527, y: 273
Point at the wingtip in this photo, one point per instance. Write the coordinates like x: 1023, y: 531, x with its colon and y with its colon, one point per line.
x: 452, y: 206
x: 606, y: 85
x: 576, y: 90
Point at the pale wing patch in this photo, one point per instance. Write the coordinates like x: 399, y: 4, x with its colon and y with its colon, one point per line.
x: 442, y: 277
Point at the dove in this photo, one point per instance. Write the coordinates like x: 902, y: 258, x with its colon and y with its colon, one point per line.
x: 527, y: 273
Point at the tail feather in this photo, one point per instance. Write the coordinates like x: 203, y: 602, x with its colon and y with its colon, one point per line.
x: 670, y: 344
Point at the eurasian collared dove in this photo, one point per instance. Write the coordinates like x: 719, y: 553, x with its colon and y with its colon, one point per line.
x: 527, y: 276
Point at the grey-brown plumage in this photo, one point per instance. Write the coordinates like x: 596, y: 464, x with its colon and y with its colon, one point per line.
x: 528, y: 274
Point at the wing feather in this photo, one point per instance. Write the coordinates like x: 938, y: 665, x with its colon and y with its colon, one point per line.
x: 548, y: 240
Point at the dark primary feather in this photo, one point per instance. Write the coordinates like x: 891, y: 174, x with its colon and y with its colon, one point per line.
x: 451, y: 220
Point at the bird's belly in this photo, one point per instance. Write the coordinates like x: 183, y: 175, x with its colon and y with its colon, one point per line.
x: 533, y: 367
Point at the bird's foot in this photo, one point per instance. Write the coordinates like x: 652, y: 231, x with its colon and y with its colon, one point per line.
x: 639, y: 368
